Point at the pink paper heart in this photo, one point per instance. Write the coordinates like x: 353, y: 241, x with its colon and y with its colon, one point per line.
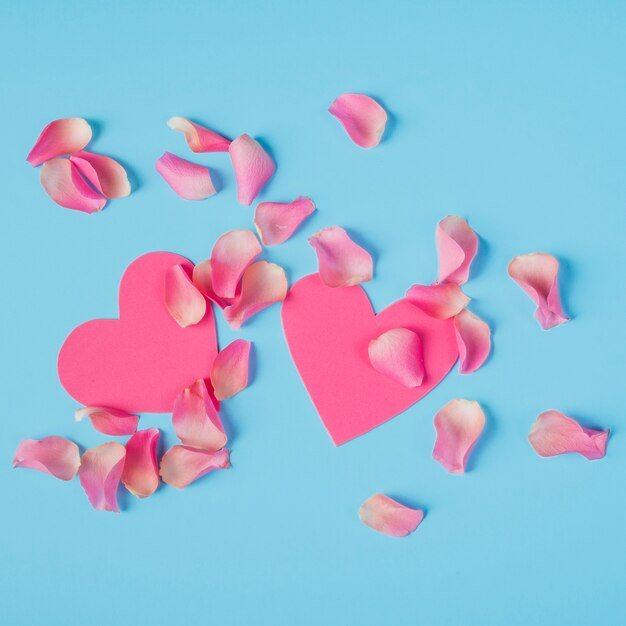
x: 328, y: 331
x: 142, y: 360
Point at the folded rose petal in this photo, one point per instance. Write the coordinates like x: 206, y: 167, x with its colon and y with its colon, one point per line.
x: 100, y: 473
x: 389, y: 517
x: 52, y: 455
x: 203, y: 280
x: 64, y: 184
x: 263, y: 284
x: 181, y: 465
x: 199, y: 138
x: 537, y: 275
x: 103, y: 172
x: 397, y: 354
x: 184, y: 302
x: 253, y: 167
x: 141, y: 469
x: 63, y: 136
x: 555, y: 433
x: 277, y: 221
x: 229, y: 373
x: 473, y: 339
x: 231, y: 255
x: 362, y: 117
x: 341, y: 262
x: 189, y: 180
x: 457, y: 245
x: 109, y: 421
x: 440, y: 301
x: 458, y: 427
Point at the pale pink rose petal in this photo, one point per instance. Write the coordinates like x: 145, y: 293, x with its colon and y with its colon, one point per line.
x: 52, y: 455
x: 341, y: 262
x: 457, y: 245
x: 141, y: 468
x: 109, y: 421
x: 555, y: 433
x: 397, y: 354
x: 362, y: 117
x: 229, y: 373
x: 232, y: 254
x: 60, y: 137
x: 277, y: 221
x: 537, y: 275
x: 103, y: 172
x: 184, y: 302
x: 203, y: 280
x: 459, y: 425
x: 199, y: 138
x: 64, y: 184
x: 263, y: 284
x: 253, y: 167
x: 440, y: 301
x: 389, y: 517
x: 189, y: 180
x: 473, y: 338
x: 181, y: 465
x: 100, y: 473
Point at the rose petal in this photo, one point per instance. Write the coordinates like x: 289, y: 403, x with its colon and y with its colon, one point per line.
x: 389, y: 517
x: 63, y: 136
x: 397, y: 354
x: 458, y: 427
x: 103, y: 172
x: 537, y: 275
x: 109, y: 421
x: 555, y: 433
x: 231, y: 255
x: 141, y: 469
x: 253, y: 167
x: 203, y: 281
x: 199, y: 138
x: 184, y: 302
x: 473, y: 338
x: 229, y: 373
x: 100, y: 473
x: 263, y: 284
x: 362, y: 117
x: 341, y: 262
x: 67, y: 188
x: 189, y: 180
x: 457, y: 245
x: 181, y: 465
x: 52, y: 455
x: 440, y: 301
x: 277, y: 221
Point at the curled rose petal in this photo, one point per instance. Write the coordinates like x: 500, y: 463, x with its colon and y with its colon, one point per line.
x: 253, y: 167
x: 362, y: 117
x: 184, y: 302
x: 389, y: 517
x: 141, y: 469
x: 52, y: 455
x: 397, y: 354
x: 555, y: 433
x: 440, y: 301
x: 189, y: 180
x: 66, y: 187
x: 277, y: 221
x: 109, y: 421
x: 181, y: 465
x: 473, y: 338
x: 199, y: 138
x: 341, y: 262
x: 537, y: 275
x: 231, y: 254
x: 203, y: 281
x: 103, y: 172
x: 60, y: 137
x: 457, y: 245
x: 458, y: 427
x: 229, y: 373
x: 100, y: 473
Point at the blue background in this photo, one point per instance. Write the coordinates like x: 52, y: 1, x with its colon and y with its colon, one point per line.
x: 511, y: 115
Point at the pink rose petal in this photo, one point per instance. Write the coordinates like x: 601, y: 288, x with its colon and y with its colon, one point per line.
x: 253, y: 167
x: 100, y: 473
x: 397, y: 354
x: 362, y: 117
x: 457, y: 245
x: 184, y: 302
x: 203, y: 281
x: 342, y: 263
x: 277, y: 221
x: 52, y: 455
x: 537, y: 275
x: 229, y: 374
x: 103, y: 172
x: 63, y: 136
x: 473, y: 338
x: 141, y: 469
x: 458, y: 427
x: 555, y: 433
x: 389, y: 517
x: 109, y: 421
x: 440, y: 301
x: 181, y: 465
x: 189, y: 180
x: 199, y: 138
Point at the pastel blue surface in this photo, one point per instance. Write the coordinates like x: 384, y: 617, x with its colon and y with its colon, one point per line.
x: 512, y: 116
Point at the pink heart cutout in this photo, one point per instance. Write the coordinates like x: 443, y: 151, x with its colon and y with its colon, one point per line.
x: 328, y: 331
x: 142, y: 360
